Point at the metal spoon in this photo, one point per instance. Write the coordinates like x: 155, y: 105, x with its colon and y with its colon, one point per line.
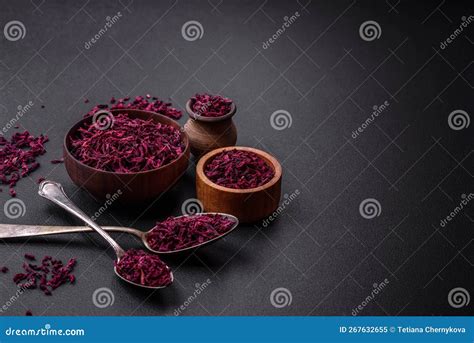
x: 54, y: 191
x: 18, y: 231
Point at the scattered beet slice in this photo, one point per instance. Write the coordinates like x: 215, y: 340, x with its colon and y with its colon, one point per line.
x: 30, y: 257
x: 187, y: 231
x: 143, y: 268
x: 207, y: 105
x: 18, y: 157
x: 4, y: 270
x: 128, y: 146
x: 28, y: 313
x: 47, y: 276
x: 145, y: 103
x: 238, y: 169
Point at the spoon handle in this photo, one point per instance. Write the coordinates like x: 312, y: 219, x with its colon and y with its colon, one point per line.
x: 19, y: 230
x: 54, y: 192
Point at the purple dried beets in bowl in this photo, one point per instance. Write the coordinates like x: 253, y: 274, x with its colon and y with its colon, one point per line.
x: 187, y: 231
x: 143, y: 268
x: 206, y: 105
x: 238, y: 169
x: 130, y: 145
x: 241, y: 181
x: 146, y: 160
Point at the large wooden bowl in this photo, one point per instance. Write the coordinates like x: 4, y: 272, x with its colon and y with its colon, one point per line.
x: 130, y: 187
x: 249, y: 205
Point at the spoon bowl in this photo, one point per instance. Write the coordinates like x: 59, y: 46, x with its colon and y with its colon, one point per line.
x: 144, y: 286
x: 143, y: 235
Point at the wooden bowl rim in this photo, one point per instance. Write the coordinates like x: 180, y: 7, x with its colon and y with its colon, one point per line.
x: 266, y: 156
x: 192, y: 115
x: 161, y: 118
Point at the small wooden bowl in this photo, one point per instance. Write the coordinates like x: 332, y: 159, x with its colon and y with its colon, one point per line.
x: 248, y: 205
x: 209, y: 133
x: 134, y: 187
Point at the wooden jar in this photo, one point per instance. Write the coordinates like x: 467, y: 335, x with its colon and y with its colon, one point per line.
x: 209, y: 133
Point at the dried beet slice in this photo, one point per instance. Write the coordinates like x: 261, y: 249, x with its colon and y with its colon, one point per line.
x: 18, y: 157
x: 238, y: 169
x: 50, y: 274
x: 144, y: 103
x: 184, y: 232
x: 128, y: 146
x: 207, y: 105
x: 143, y: 268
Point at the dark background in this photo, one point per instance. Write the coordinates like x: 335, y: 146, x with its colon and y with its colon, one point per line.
x: 328, y: 78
